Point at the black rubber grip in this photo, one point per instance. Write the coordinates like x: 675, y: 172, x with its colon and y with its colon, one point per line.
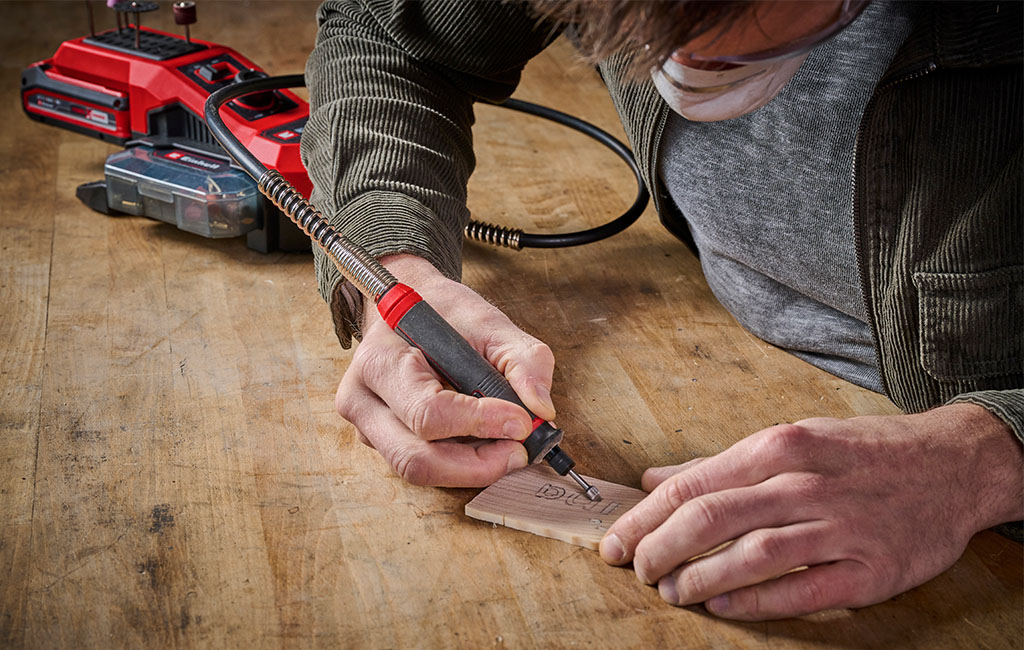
x: 461, y: 366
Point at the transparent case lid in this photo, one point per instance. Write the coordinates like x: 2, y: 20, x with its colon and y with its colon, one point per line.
x: 197, y: 193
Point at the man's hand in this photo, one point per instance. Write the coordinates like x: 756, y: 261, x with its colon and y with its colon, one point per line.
x: 871, y: 506
x: 400, y: 408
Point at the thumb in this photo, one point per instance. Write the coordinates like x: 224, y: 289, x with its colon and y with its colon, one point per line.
x: 529, y: 367
x: 525, y: 362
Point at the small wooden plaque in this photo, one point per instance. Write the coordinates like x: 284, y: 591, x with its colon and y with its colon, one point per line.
x: 539, y: 501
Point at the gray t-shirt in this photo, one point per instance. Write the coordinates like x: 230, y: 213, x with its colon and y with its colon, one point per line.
x: 769, y: 200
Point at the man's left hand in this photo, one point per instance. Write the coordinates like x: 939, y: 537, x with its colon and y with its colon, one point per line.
x: 823, y: 513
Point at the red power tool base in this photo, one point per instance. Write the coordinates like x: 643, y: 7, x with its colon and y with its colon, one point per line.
x: 140, y: 85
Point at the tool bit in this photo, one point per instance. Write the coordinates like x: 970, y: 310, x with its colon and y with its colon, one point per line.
x: 589, y: 490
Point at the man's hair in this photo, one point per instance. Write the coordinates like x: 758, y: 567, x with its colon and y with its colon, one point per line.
x: 649, y: 29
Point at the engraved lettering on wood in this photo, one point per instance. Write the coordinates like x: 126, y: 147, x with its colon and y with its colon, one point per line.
x: 539, y: 501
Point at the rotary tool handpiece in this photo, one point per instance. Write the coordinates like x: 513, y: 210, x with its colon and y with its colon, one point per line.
x: 462, y: 366
x: 402, y: 308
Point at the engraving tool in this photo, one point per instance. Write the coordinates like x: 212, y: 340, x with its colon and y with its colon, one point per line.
x: 402, y: 309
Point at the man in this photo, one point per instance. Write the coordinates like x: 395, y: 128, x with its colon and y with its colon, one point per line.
x: 823, y: 136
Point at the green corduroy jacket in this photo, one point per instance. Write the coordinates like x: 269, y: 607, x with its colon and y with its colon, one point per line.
x: 939, y: 198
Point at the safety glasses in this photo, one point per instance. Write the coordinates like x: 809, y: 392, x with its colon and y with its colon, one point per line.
x: 773, y: 29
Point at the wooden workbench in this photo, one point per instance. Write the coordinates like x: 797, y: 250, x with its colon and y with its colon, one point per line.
x: 173, y: 473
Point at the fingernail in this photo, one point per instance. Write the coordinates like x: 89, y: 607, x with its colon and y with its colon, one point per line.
x: 516, y: 460
x: 718, y: 605
x: 544, y: 395
x: 514, y: 430
x: 611, y: 549
x: 667, y: 590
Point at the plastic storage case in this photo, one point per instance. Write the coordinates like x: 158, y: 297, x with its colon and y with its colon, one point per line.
x: 197, y: 193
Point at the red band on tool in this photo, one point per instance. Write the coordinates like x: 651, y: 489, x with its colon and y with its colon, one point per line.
x: 396, y: 303
x: 537, y: 421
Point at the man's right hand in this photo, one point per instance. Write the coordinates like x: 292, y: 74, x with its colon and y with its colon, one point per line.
x: 421, y: 428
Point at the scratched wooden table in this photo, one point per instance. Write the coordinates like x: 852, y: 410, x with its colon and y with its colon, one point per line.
x: 174, y: 473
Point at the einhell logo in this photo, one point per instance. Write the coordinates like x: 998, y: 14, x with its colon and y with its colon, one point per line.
x: 194, y: 161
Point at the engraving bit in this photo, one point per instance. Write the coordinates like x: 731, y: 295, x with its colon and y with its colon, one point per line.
x: 589, y: 490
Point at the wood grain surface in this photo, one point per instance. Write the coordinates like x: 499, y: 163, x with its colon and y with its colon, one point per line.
x: 173, y: 472
x: 539, y: 501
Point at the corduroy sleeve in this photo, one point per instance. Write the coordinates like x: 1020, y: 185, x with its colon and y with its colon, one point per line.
x: 388, y: 144
x: 1007, y: 405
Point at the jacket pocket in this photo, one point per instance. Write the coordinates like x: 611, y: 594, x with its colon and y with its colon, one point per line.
x: 971, y: 324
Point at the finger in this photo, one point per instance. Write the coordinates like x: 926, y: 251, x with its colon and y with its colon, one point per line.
x: 706, y: 522
x: 753, y: 558
x: 420, y: 462
x: 766, y: 453
x: 655, y: 476
x: 826, y: 586
x: 399, y: 375
x: 363, y: 440
x: 526, y: 362
x: 455, y: 464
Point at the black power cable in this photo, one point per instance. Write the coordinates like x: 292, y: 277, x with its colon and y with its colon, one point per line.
x: 223, y: 134
x: 476, y: 230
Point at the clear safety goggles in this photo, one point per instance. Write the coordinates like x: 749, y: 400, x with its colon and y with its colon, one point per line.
x: 776, y: 29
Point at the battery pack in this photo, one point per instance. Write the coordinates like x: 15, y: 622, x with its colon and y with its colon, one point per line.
x: 196, y: 193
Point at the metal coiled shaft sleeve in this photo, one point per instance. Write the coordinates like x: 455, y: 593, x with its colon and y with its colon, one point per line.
x: 358, y: 267
x: 494, y: 235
